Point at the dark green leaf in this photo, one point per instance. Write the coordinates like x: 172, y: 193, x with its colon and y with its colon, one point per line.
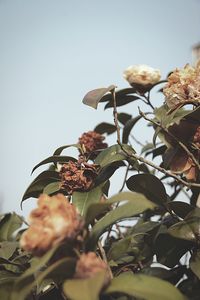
x: 180, y: 208
x: 106, y: 172
x: 121, y: 100
x: 59, y: 150
x: 123, y: 117
x: 144, y: 287
x: 93, y: 97
x: 119, y: 93
x: 195, y: 263
x: 149, y: 185
x: 54, y: 159
x: 128, y: 127
x: 105, y: 128
x: 87, y: 289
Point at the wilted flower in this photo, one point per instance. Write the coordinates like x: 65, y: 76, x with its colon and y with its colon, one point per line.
x: 77, y: 176
x: 53, y: 221
x: 141, y: 75
x: 183, y: 87
x: 89, y: 265
x: 92, y: 141
x: 178, y: 159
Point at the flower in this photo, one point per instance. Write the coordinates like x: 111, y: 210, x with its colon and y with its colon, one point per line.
x: 89, y: 265
x: 176, y: 157
x: 53, y: 221
x: 183, y: 87
x: 142, y: 75
x: 92, y: 141
x: 77, y: 176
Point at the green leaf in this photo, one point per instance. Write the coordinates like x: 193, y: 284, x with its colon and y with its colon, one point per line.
x: 26, y: 282
x: 195, y: 263
x: 135, y: 204
x: 54, y: 159
x: 120, y: 248
x: 107, y: 171
x: 128, y: 127
x: 87, y: 289
x: 7, y: 249
x: 82, y: 200
x: 113, y: 154
x: 59, y: 150
x: 144, y: 287
x: 105, y: 128
x: 189, y: 228
x: 93, y: 97
x: 8, y: 225
x: 52, y: 188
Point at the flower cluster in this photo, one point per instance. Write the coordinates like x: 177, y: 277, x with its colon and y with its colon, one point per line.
x: 77, y: 176
x: 142, y: 75
x: 89, y: 264
x: 53, y: 221
x: 183, y: 87
x: 92, y: 142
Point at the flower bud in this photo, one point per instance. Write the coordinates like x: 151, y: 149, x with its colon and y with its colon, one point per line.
x: 89, y: 265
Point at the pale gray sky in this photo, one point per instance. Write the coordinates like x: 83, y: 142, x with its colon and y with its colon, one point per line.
x: 54, y: 51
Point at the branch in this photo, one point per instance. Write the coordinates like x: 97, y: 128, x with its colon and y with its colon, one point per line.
x: 115, y: 115
x: 183, y: 146
x: 162, y: 170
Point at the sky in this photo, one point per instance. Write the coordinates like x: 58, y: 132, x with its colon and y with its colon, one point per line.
x: 52, y: 52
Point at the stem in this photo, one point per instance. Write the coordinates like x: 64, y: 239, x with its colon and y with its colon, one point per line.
x: 115, y: 115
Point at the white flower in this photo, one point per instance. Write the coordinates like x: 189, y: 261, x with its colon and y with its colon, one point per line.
x: 142, y: 74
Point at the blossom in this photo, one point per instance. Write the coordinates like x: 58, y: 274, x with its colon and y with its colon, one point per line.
x: 77, y: 176
x: 142, y: 75
x: 53, y: 221
x: 183, y: 87
x: 92, y: 142
x: 89, y: 265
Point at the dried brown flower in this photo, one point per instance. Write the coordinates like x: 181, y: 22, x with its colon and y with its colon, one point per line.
x: 53, y: 221
x: 178, y: 159
x: 89, y: 264
x: 77, y: 176
x: 92, y: 142
x: 183, y: 87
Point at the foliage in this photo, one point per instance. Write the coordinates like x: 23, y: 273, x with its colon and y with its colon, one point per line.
x: 146, y: 238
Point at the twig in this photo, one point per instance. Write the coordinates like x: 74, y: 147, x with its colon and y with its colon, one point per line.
x: 125, y: 177
x: 162, y: 170
x: 115, y: 115
x: 103, y: 255
x: 172, y: 136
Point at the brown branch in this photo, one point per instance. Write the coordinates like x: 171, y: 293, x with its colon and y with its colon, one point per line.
x: 162, y: 170
x: 103, y: 255
x: 183, y: 146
